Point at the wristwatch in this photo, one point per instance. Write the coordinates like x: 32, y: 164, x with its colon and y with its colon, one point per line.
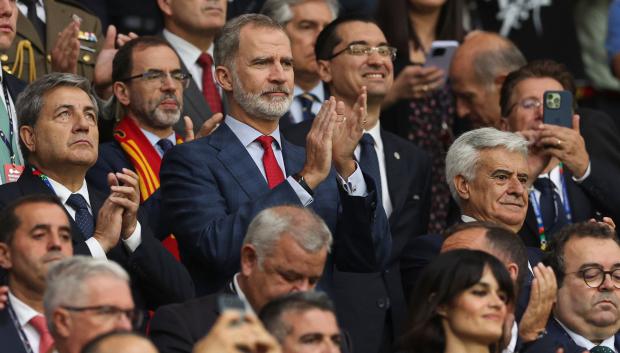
x: 300, y: 180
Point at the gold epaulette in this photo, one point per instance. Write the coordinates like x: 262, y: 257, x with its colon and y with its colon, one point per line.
x: 18, y: 66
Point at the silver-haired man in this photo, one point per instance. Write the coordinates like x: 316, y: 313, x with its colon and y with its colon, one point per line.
x: 284, y: 251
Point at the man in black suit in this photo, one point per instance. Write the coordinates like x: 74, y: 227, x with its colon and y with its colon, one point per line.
x: 58, y: 130
x: 190, y: 27
x: 353, y: 58
x: 586, y: 315
x: 284, y: 251
x: 579, y: 177
x: 34, y: 234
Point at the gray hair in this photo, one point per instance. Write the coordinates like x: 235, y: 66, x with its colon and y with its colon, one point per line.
x: 65, y: 281
x: 227, y: 42
x: 488, y: 64
x: 307, y: 229
x: 280, y: 10
x: 271, y: 314
x: 464, y: 154
x: 30, y: 102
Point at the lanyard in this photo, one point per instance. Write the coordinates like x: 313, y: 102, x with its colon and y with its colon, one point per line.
x: 8, y: 142
x: 18, y: 327
x: 43, y: 177
x: 538, y: 213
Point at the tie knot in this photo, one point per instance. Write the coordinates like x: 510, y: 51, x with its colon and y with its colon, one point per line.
x: 28, y: 2
x: 367, y: 139
x: 77, y: 202
x: 205, y: 60
x: 544, y: 185
x: 39, y: 324
x: 308, y: 97
x: 265, y: 141
x: 165, y: 144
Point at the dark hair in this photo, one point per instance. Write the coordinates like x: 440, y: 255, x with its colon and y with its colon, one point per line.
x: 123, y: 60
x: 328, y: 39
x: 445, y: 278
x: 501, y: 239
x: 94, y: 344
x: 392, y: 17
x: 271, y: 314
x: 9, y: 221
x: 535, y: 69
x: 555, y: 257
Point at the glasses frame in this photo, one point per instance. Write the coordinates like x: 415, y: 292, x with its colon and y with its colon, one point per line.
x: 135, y: 316
x: 184, y: 82
x: 582, y: 274
x: 520, y: 103
x: 368, y: 51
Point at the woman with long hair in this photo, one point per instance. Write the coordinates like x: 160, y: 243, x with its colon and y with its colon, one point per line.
x: 460, y: 305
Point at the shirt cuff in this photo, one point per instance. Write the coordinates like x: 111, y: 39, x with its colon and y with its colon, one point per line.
x: 96, y: 250
x: 135, y: 239
x: 305, y: 198
x: 585, y: 175
x: 355, y: 185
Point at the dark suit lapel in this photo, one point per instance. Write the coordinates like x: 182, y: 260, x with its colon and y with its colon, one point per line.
x: 96, y: 201
x: 236, y: 159
x: 530, y: 220
x: 193, y: 97
x: 27, y: 30
x: 395, y: 172
x: 294, y: 157
x: 8, y: 334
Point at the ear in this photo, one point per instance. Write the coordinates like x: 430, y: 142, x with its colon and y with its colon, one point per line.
x: 499, y: 80
x: 26, y: 134
x: 503, y: 124
x: 164, y: 6
x: 223, y: 76
x: 513, y: 270
x: 249, y: 259
x: 5, y: 257
x: 325, y: 70
x: 62, y: 322
x: 442, y: 310
x: 462, y: 187
x: 121, y: 92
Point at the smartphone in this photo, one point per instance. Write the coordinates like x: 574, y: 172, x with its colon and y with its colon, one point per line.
x: 441, y: 53
x: 558, y: 108
x: 230, y: 301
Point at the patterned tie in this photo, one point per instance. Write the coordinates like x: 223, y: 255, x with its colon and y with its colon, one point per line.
x: 46, y: 341
x: 32, y: 16
x: 83, y: 218
x: 209, y: 90
x: 369, y: 162
x: 165, y: 145
x: 550, y: 201
x: 272, y: 169
x: 306, y: 100
x: 601, y: 349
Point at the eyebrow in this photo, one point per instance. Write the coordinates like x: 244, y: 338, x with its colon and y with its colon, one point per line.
x: 597, y: 265
x: 72, y: 107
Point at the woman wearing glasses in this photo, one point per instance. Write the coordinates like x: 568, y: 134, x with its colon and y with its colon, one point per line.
x: 419, y: 106
x: 460, y: 305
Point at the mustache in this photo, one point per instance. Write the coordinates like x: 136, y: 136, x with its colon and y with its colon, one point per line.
x: 168, y: 96
x: 53, y: 255
x: 277, y: 89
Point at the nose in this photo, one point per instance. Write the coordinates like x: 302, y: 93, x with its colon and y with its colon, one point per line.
x: 82, y: 122
x: 168, y: 83
x: 6, y: 8
x: 123, y: 322
x: 54, y: 242
x: 516, y: 187
x: 277, y: 74
x: 303, y: 285
x: 608, y: 283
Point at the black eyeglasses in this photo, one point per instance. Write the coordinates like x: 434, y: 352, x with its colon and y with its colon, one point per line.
x: 363, y: 49
x: 152, y: 75
x: 595, y: 276
x: 111, y: 312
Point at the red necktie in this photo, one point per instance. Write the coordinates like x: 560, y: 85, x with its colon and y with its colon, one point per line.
x: 209, y: 90
x: 45, y: 338
x: 272, y: 169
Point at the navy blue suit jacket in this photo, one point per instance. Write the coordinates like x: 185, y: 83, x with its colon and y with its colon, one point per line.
x: 8, y: 334
x: 212, y: 189
x: 558, y: 337
x: 156, y: 277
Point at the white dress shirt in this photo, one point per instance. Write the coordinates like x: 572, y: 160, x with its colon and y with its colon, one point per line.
x: 96, y: 250
x: 295, y: 110
x: 24, y: 314
x: 556, y: 178
x: 241, y: 295
x: 153, y: 139
x: 189, y: 55
x: 40, y: 11
x: 375, y: 132
x: 586, y: 343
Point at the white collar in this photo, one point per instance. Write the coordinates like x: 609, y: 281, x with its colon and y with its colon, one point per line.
x: 185, y: 49
x: 468, y: 219
x: 375, y: 132
x: 316, y: 91
x: 242, y: 296
x: 22, y: 310
x: 63, y: 193
x: 153, y: 139
x: 586, y: 343
x: 247, y: 134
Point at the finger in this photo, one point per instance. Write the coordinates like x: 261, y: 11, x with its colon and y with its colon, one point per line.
x: 210, y: 125
x: 112, y: 180
x: 133, y: 35
x: 110, y: 36
x: 576, y: 123
x: 122, y: 190
x: 130, y: 173
x: 610, y: 222
x: 189, y: 128
x: 124, y: 203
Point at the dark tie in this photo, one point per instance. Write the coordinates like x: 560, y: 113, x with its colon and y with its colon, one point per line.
x: 83, y: 218
x: 306, y: 100
x: 165, y: 145
x: 31, y: 5
x: 550, y: 202
x: 272, y: 169
x: 601, y: 349
x: 209, y: 90
x: 369, y: 162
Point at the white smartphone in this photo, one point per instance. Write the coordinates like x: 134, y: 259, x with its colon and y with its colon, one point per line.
x: 440, y: 54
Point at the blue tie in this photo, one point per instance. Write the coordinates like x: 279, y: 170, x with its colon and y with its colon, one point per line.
x: 306, y: 100
x: 369, y: 162
x: 165, y: 145
x: 83, y: 218
x: 601, y: 349
x: 550, y: 201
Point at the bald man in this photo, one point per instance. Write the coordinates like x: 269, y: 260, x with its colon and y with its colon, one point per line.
x: 478, y: 70
x: 119, y: 342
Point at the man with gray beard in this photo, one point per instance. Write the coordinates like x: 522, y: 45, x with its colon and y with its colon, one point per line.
x: 214, y: 186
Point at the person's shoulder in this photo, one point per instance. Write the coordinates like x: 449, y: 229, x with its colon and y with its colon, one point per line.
x: 75, y: 5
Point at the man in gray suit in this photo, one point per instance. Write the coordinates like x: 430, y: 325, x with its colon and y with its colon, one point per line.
x: 190, y: 27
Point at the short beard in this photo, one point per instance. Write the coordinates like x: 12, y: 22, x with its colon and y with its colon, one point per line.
x: 256, y: 106
x: 159, y: 118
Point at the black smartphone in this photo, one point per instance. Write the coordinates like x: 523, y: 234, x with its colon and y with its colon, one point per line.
x: 558, y: 108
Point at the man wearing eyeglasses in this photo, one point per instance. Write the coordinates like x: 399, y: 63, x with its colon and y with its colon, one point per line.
x: 586, y: 260
x: 578, y: 176
x: 85, y: 298
x: 354, y: 57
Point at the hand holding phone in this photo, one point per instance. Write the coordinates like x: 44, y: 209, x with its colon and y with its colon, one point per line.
x: 558, y: 108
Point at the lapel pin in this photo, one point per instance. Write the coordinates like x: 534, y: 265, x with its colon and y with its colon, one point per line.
x: 416, y: 197
x: 87, y: 36
x: 396, y: 155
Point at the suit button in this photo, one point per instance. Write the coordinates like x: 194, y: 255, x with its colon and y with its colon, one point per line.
x: 383, y: 303
x: 373, y: 204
